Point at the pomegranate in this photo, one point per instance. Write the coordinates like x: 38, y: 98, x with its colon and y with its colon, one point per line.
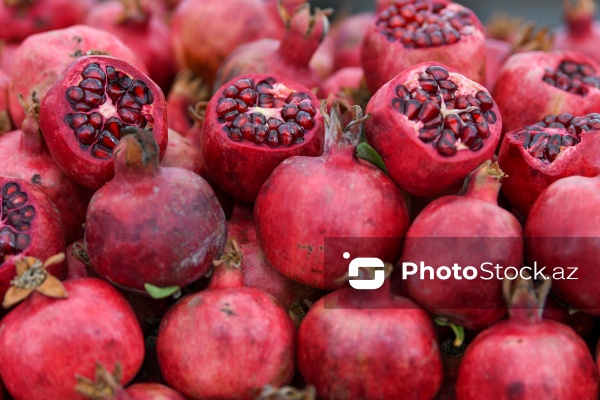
x: 581, y: 32
x: 192, y: 20
x: 22, y: 18
x: 334, y: 187
x: 257, y: 271
x: 41, y: 58
x: 78, y: 264
x: 288, y: 58
x: 278, y: 8
x: 432, y: 126
x: 152, y: 391
x: 561, y: 232
x: 241, y: 340
x: 143, y: 31
x: 168, y: 239
x: 537, y: 155
x: 414, y: 31
x: 526, y: 357
x: 333, y: 354
x: 83, y: 115
x: 534, y: 84
x: 485, y: 233
x: 5, y: 123
x: 25, y: 156
x: 349, y: 35
x: 7, y: 53
x: 76, y: 334
x: 29, y: 225
x: 182, y: 153
x: 186, y: 91
x: 258, y: 121
x: 322, y: 59
x: 343, y: 84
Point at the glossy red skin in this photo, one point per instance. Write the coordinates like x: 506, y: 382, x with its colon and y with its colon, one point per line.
x: 324, y: 201
x: 182, y: 153
x: 77, y: 163
x: 544, y: 360
x: 528, y: 176
x: 566, y: 211
x: 24, y: 160
x: 168, y: 236
x: 496, y: 51
x: 41, y: 58
x: 46, y: 234
x: 257, y: 271
x: 353, y: 345
x: 382, y: 60
x: 5, y: 122
x: 416, y: 166
x: 226, y: 344
x: 349, y: 35
x: 16, y: 23
x: 192, y: 20
x: 79, y: 335
x: 523, y: 98
x: 223, y: 156
x: 149, y: 39
x: 152, y: 391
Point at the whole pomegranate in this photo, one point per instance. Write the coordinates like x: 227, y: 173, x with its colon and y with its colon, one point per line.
x: 182, y: 153
x: 537, y: 155
x: 84, y: 114
x: 29, y: 226
x: 432, y: 126
x: 336, y: 197
x: 526, y: 357
x: 222, y: 27
x: 345, y: 347
x: 348, y: 38
x: 226, y: 342
x: 257, y: 121
x: 581, y: 32
x: 22, y: 18
x: 562, y: 234
x: 145, y: 32
x: 468, y: 229
x: 41, y: 58
x: 24, y: 155
x: 534, y: 84
x: 5, y: 122
x: 77, y: 334
x: 170, y: 222
x: 410, y: 32
x: 152, y: 391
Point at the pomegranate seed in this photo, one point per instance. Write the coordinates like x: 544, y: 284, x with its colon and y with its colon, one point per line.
x: 421, y: 95
x: 273, y: 123
x: 485, y: 100
x: 428, y: 111
x: 225, y: 106
x: 402, y: 92
x: 86, y: 134
x: 93, y: 85
x: 308, y: 107
x: 445, y: 145
x: 453, y: 122
x: 438, y: 73
x: 569, y: 141
x: 429, y: 85
x: 93, y: 71
x: 411, y: 108
x: 429, y: 135
x: 490, y: 117
x: 231, y: 92
x: 272, y: 140
x: 305, y: 120
x: 248, y: 132
x: 100, y: 152
x: 236, y: 134
x: 289, y: 112
x: 258, y: 119
x: 468, y: 134
x: 248, y: 96
x: 477, y: 144
x: 243, y: 84
x: 262, y: 132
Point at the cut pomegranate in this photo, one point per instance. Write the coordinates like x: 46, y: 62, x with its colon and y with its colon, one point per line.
x: 409, y: 32
x: 532, y: 85
x: 29, y: 225
x: 84, y: 113
x: 257, y: 121
x: 537, y: 155
x: 432, y: 127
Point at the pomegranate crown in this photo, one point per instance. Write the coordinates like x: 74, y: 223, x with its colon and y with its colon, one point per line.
x: 104, y: 386
x: 525, y: 301
x: 576, y: 9
x: 336, y: 134
x: 301, y: 20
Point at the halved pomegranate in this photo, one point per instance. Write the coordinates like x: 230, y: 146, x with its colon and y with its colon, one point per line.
x: 252, y: 124
x: 83, y: 114
x: 432, y: 126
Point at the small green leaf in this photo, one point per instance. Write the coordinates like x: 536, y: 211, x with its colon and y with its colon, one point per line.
x: 160, y: 293
x: 459, y: 331
x: 366, y: 152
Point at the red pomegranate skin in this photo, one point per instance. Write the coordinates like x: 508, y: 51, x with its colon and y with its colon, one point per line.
x: 561, y: 231
x: 341, y: 83
x: 416, y: 166
x: 226, y: 342
x: 169, y: 221
x: 383, y: 59
x: 7, y: 51
x: 524, y: 98
x: 333, y: 187
x: 143, y: 31
x: 369, y: 345
x: 182, y: 153
x: 19, y: 21
x: 75, y: 158
x: 66, y: 338
x: 152, y: 391
x: 223, y: 156
x: 580, y: 32
x: 349, y: 34
x: 5, y: 122
x: 192, y: 20
x: 45, y: 234
x: 41, y: 58
x: 496, y: 52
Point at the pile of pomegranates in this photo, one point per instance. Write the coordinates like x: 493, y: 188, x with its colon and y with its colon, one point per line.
x: 276, y: 200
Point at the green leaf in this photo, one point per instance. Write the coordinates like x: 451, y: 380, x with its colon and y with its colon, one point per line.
x: 459, y: 331
x: 160, y: 293
x: 366, y: 152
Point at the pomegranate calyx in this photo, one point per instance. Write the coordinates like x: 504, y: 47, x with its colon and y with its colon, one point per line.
x: 78, y: 251
x: 133, y: 12
x: 288, y: 393
x: 137, y: 152
x: 190, y: 86
x: 484, y: 182
x: 33, y: 277
x: 298, y: 310
x: 227, y: 272
x: 524, y: 301
x: 31, y: 138
x: 503, y: 26
x: 197, y: 112
x: 104, y: 386
x: 232, y: 256
x: 532, y: 38
x: 336, y: 134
